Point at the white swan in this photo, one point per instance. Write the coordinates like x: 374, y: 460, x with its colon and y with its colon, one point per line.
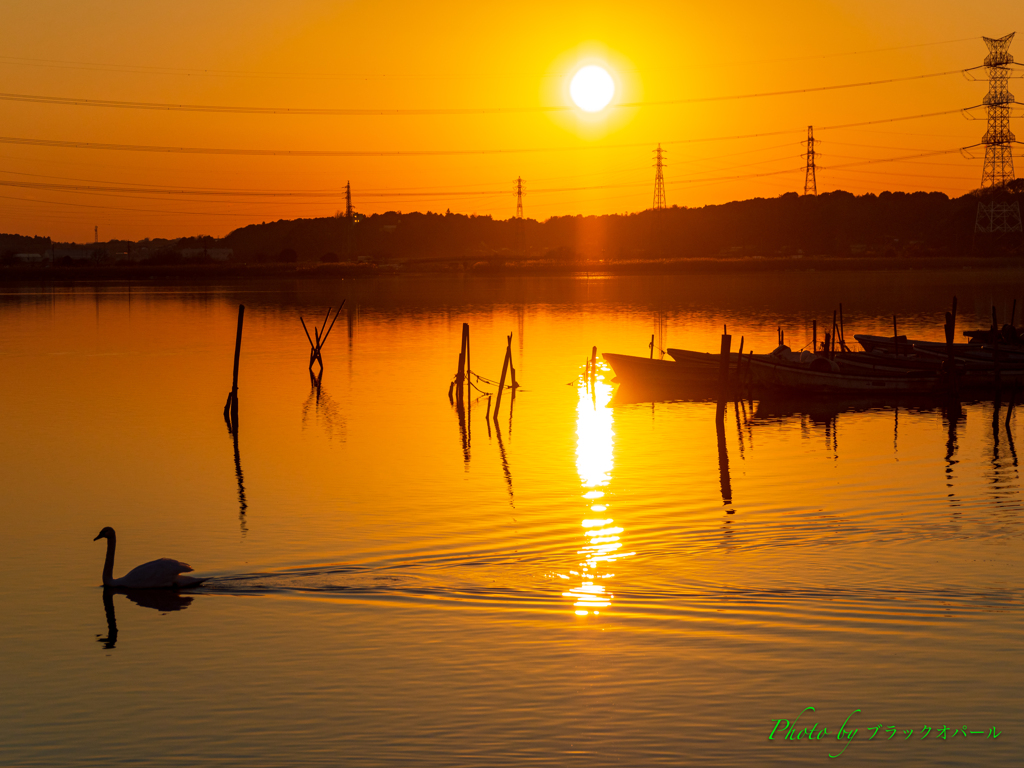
x: 162, y: 573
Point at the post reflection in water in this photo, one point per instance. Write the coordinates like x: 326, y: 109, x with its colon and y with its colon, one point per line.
x: 242, y: 504
x: 595, y: 439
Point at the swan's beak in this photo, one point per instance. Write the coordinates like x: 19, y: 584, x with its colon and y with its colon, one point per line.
x: 100, y: 536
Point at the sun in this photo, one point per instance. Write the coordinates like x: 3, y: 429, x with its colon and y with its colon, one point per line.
x: 592, y: 88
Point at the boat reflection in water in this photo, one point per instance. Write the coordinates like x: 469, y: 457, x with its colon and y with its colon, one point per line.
x: 595, y: 439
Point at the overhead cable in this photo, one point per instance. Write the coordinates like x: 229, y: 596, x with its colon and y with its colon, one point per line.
x: 384, y: 112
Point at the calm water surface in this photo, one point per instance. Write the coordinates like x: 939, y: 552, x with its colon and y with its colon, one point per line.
x: 596, y: 579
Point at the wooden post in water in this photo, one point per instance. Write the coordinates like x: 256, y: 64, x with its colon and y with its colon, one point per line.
x: 895, y: 336
x: 593, y: 368
x: 652, y: 346
x: 832, y: 350
x: 512, y: 369
x: 469, y: 370
x: 460, y: 375
x: 504, y: 371
x: 231, y: 406
x: 814, y: 336
x: 739, y: 362
x: 842, y: 331
x: 723, y: 374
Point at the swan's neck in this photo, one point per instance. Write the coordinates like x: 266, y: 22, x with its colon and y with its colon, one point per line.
x: 108, y: 564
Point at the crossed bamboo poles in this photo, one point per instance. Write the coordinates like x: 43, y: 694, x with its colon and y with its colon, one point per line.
x: 462, y: 383
x: 315, y: 350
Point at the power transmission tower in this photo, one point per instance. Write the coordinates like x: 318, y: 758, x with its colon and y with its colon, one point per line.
x: 96, y: 234
x: 998, y: 215
x: 348, y: 199
x: 810, y: 180
x: 520, y: 233
x: 659, y: 179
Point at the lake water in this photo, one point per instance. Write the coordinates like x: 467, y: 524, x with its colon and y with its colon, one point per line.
x: 590, y: 581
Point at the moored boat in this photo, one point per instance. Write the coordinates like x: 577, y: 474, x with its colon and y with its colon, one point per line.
x: 779, y: 374
x: 645, y: 370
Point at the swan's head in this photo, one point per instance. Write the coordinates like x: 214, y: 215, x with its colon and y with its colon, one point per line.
x: 106, y: 533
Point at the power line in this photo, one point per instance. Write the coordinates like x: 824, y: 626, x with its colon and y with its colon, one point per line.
x: 437, y: 189
x: 861, y: 53
x: 155, y: 70
x: 54, y: 143
x: 143, y: 190
x: 386, y: 112
x: 421, y: 196
x: 763, y: 94
x: 874, y: 161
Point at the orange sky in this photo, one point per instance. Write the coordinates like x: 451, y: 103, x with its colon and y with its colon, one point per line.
x: 471, y: 56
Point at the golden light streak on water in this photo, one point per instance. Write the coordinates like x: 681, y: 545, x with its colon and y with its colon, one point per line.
x: 595, y: 444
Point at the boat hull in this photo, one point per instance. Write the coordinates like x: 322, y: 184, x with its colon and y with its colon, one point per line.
x: 769, y: 375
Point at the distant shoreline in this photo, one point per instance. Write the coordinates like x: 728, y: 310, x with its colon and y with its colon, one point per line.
x: 204, y: 273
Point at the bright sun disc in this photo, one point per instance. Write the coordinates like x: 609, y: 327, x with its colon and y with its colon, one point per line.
x: 592, y: 88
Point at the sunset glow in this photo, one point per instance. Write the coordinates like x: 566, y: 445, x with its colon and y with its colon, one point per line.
x: 112, y: 128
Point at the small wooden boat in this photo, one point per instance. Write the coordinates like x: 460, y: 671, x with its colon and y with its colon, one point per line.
x: 644, y: 370
x: 901, y: 345
x: 779, y: 374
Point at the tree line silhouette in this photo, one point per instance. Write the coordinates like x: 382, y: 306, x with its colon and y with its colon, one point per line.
x: 837, y: 224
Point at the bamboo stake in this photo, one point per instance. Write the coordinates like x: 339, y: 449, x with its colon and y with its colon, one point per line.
x: 723, y: 375
x: 332, y: 322
x: 460, y: 375
x: 832, y: 351
x: 501, y: 384
x: 231, y: 406
x: 469, y: 370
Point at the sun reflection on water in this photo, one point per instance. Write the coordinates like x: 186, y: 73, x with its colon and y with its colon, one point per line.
x: 595, y: 442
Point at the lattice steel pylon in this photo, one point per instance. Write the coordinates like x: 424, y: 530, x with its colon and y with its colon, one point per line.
x: 659, y: 179
x: 810, y: 179
x: 520, y: 232
x: 997, y: 214
x: 348, y: 199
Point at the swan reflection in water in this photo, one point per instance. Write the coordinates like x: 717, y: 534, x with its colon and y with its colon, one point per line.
x: 163, y: 600
x: 595, y: 438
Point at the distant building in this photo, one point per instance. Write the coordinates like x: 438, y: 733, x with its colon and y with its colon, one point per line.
x: 29, y: 258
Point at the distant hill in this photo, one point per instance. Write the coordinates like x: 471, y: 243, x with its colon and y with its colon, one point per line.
x: 836, y: 223
x: 831, y: 224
